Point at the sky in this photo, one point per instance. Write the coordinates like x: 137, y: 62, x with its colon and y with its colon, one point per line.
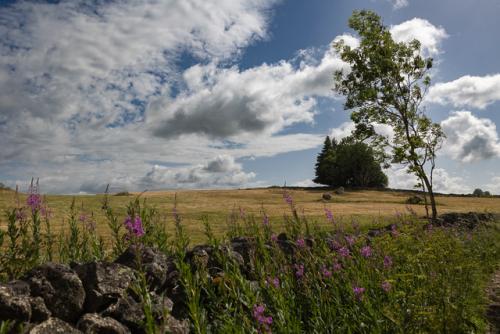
x: 165, y: 94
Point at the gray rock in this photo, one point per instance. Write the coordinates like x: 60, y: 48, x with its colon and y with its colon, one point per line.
x: 176, y: 326
x: 154, y: 263
x: 54, y: 326
x: 14, y: 306
x: 93, y: 323
x: 39, y: 311
x: 61, y: 289
x: 104, y: 283
x: 327, y: 196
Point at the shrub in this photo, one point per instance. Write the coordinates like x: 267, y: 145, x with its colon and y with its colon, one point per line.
x: 414, y: 200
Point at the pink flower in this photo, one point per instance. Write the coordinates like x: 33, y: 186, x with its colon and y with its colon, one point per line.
x: 265, y: 220
x: 358, y: 292
x: 300, y: 243
x: 288, y: 198
x: 326, y: 273
x: 134, y: 227
x: 274, y: 238
x: 350, y: 240
x: 262, y: 320
x: 366, y: 251
x: 344, y: 252
x: 394, y: 231
x: 329, y: 215
x: 337, y: 266
x: 387, y: 262
x: 299, y: 270
x: 386, y: 286
x: 274, y: 281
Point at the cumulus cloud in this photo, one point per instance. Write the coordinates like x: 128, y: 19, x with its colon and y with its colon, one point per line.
x: 428, y: 34
x: 494, y: 185
x: 223, y: 171
x: 443, y: 181
x: 470, y: 138
x: 467, y: 91
x: 224, y: 102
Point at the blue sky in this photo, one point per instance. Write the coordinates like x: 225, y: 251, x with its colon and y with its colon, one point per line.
x: 228, y: 93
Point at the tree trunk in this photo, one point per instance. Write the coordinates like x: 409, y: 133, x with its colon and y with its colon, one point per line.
x: 428, y: 185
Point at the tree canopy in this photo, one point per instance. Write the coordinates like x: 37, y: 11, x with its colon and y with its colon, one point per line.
x: 386, y: 85
x: 349, y: 163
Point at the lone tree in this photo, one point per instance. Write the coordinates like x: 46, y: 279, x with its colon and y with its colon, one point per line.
x: 386, y: 85
x: 349, y: 163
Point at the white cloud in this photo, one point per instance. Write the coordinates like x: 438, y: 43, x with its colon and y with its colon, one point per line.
x: 494, y: 185
x: 226, y: 102
x: 305, y: 183
x: 442, y: 180
x: 223, y: 171
x: 470, y: 138
x: 467, y: 91
x: 428, y: 34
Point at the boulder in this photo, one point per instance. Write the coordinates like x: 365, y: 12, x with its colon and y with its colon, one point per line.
x: 327, y: 196
x: 104, y: 283
x: 14, y: 306
x: 39, y: 311
x: 340, y: 191
x: 469, y: 220
x: 129, y: 311
x: 93, y: 323
x: 153, y: 262
x: 54, y: 326
x: 60, y: 288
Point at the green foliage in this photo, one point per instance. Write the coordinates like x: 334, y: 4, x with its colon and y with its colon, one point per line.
x: 386, y: 85
x: 349, y: 163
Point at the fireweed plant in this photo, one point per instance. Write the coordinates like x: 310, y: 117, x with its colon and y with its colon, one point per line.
x: 279, y: 276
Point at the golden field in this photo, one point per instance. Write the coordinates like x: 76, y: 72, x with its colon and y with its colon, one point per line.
x: 217, y: 206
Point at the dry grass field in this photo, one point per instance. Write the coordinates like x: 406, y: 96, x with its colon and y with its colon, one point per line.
x: 218, y: 205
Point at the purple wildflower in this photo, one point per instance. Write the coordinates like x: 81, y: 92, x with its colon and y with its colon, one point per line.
x: 329, y: 215
x: 344, y: 252
x: 386, y: 286
x: 34, y: 200
x: 262, y: 320
x: 300, y: 243
x: 134, y: 226
x: 299, y: 270
x: 337, y: 266
x: 350, y: 240
x: 82, y: 218
x: 366, y: 251
x: 288, y: 198
x: 274, y: 281
x: 326, y: 273
x: 265, y: 220
x: 358, y: 292
x: 394, y: 231
x: 387, y: 261
x: 274, y: 237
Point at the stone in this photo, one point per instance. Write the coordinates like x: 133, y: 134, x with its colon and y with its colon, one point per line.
x: 104, y: 283
x: 61, y: 289
x: 39, y: 311
x: 54, y: 326
x: 340, y: 191
x: 176, y: 326
x: 327, y: 196
x: 93, y: 323
x: 153, y: 262
x: 14, y: 306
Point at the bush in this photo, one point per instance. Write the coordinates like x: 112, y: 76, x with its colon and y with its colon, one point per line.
x: 414, y: 200
x: 123, y: 193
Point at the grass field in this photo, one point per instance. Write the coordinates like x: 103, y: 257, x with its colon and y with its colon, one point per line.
x: 218, y: 205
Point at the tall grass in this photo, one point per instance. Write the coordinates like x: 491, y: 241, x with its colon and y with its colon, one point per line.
x: 410, y: 279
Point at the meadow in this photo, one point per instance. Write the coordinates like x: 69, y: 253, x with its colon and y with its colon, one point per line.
x: 259, y: 260
x: 218, y: 206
